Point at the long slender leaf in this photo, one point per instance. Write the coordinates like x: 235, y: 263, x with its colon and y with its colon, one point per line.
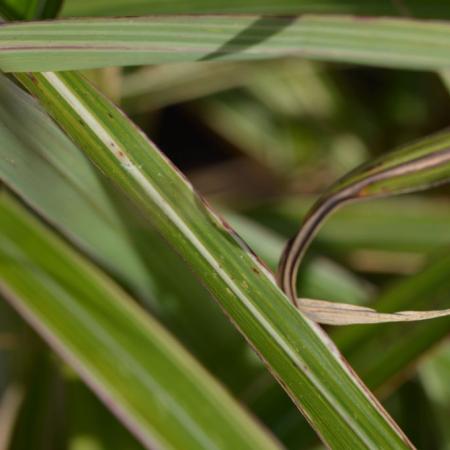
x: 420, y: 166
x: 384, y: 355
x: 90, y: 43
x: 296, y: 351
x: 46, y: 169
x: 413, y: 292
x: 431, y: 8
x: 140, y: 372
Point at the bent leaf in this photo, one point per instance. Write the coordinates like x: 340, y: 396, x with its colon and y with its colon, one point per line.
x: 419, y: 166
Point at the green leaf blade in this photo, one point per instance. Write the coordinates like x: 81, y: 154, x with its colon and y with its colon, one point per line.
x: 412, y: 168
x: 432, y: 8
x: 297, y: 352
x: 138, y: 370
x: 91, y: 43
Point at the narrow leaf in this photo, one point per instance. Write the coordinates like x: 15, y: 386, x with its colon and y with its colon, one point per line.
x: 90, y: 43
x: 415, y: 167
x: 332, y: 313
x: 431, y: 8
x: 428, y: 285
x: 297, y: 352
x: 41, y: 165
x: 153, y: 386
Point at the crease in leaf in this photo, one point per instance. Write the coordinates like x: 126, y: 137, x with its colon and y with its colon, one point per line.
x: 419, y: 166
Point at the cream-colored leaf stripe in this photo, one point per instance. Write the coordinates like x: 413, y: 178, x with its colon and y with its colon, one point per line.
x: 239, y: 282
x: 133, y: 170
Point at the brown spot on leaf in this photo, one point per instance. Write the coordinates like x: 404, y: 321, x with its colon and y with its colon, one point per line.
x: 32, y: 78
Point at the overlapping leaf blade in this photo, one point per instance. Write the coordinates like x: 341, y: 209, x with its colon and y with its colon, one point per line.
x: 53, y: 177
x: 327, y: 391
x: 404, y: 5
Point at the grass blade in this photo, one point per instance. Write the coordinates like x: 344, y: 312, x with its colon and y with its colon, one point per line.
x: 413, y: 168
x: 91, y: 43
x: 384, y: 355
x: 140, y: 372
x: 296, y: 351
x: 41, y: 165
x: 432, y: 8
x: 322, y: 278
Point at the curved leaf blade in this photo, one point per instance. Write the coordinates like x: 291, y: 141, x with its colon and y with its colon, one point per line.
x: 415, y: 167
x: 412, y: 168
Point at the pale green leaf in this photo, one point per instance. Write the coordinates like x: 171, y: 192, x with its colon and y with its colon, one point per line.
x: 142, y: 374
x: 90, y: 43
